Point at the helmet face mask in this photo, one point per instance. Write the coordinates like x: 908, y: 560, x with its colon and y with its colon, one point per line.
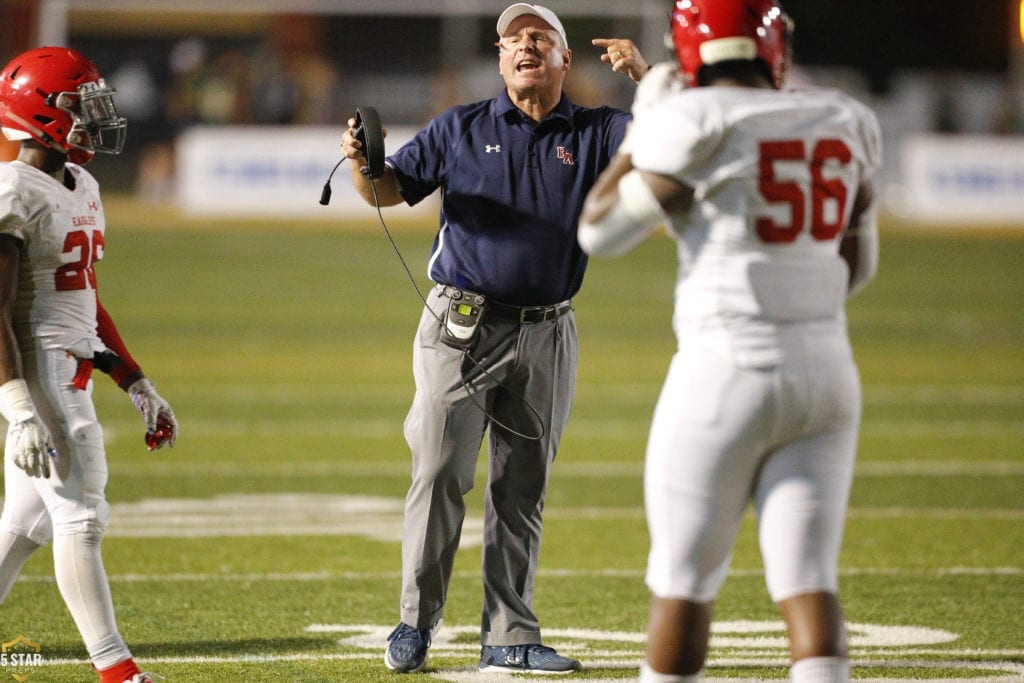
x: 57, y: 97
x: 96, y: 126
x: 709, y: 32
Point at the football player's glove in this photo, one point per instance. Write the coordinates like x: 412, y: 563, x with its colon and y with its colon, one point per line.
x: 161, y: 426
x: 31, y: 446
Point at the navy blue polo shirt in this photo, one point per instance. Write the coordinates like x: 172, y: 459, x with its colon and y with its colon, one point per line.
x: 512, y: 193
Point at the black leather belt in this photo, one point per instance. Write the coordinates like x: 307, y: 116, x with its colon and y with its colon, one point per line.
x: 527, y: 314
x: 520, y: 314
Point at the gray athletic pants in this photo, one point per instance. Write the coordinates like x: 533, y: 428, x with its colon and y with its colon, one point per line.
x: 445, y: 429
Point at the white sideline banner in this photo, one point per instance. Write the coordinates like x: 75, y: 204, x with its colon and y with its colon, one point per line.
x: 964, y: 178
x: 278, y: 171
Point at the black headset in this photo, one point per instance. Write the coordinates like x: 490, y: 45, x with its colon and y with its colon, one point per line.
x: 370, y: 134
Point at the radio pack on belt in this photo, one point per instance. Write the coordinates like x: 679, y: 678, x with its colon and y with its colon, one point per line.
x: 462, y: 318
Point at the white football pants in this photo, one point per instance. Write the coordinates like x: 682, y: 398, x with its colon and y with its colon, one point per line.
x: 69, y: 508
x: 722, y: 435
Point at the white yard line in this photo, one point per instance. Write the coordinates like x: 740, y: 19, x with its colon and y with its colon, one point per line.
x: 565, y: 467
x: 597, y: 660
x: 306, y: 577
x: 580, y: 428
x: 379, y: 518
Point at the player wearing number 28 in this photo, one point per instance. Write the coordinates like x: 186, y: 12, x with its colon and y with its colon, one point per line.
x: 767, y: 194
x: 54, y: 332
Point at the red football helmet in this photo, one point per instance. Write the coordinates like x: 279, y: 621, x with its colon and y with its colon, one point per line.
x: 706, y: 32
x: 56, y: 96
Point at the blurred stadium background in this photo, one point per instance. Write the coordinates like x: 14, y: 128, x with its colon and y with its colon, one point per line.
x: 947, y: 80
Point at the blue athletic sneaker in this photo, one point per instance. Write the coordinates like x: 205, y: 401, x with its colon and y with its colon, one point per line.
x: 407, y: 649
x: 525, y: 658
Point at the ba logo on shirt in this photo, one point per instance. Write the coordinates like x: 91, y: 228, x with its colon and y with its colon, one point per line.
x: 565, y: 155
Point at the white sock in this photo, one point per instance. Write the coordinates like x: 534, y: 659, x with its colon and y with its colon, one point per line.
x: 649, y: 675
x: 14, y: 551
x: 83, y: 585
x: 820, y: 670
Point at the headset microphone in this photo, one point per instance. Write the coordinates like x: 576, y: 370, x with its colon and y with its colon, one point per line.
x: 370, y: 134
x: 325, y: 194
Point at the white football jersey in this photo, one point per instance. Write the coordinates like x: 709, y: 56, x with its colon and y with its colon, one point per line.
x: 775, y: 174
x: 62, y: 231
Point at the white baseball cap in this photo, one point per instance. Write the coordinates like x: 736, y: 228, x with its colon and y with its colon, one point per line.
x: 521, y: 8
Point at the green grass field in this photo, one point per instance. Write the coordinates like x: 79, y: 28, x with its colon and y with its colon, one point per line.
x: 265, y: 546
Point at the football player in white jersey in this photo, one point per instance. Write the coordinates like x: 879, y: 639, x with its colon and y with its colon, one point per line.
x: 767, y: 193
x: 54, y: 332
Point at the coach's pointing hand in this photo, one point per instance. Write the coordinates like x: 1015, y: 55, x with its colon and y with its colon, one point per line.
x: 624, y: 56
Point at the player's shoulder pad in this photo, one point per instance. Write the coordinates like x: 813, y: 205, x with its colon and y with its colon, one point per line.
x: 663, y: 79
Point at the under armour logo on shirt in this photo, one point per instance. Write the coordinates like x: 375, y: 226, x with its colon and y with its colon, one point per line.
x: 492, y: 148
x: 565, y: 155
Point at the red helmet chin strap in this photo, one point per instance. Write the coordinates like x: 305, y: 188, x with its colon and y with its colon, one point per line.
x: 80, y: 156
